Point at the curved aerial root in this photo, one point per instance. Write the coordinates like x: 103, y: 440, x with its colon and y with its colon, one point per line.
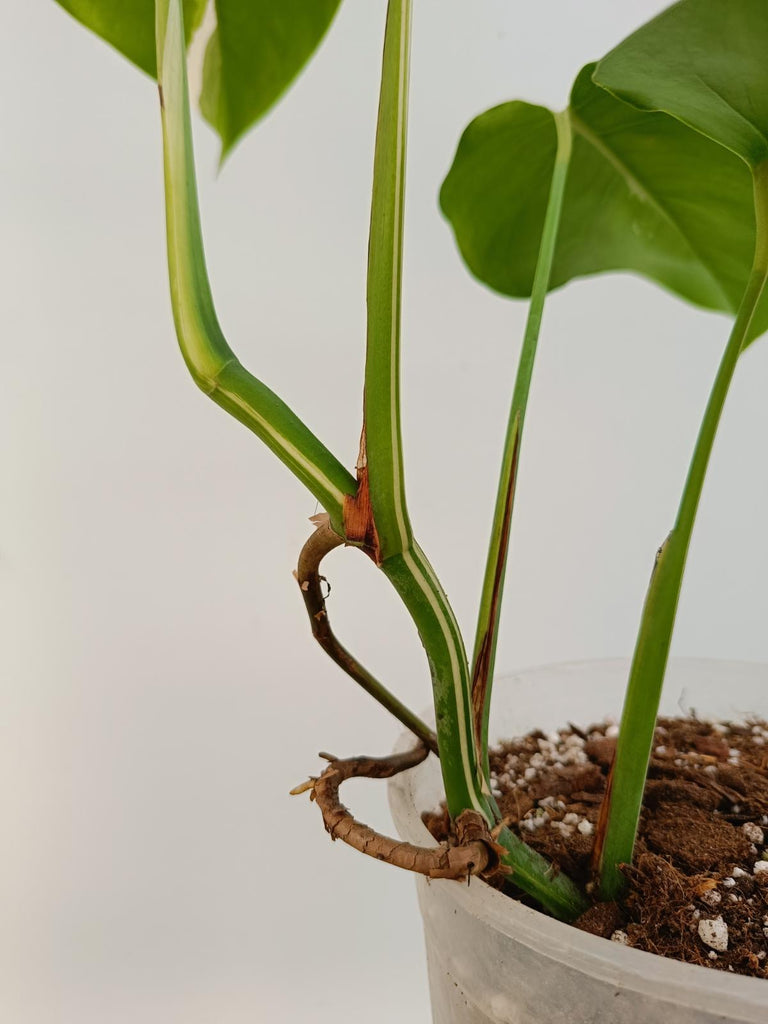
x: 323, y: 541
x: 475, y: 851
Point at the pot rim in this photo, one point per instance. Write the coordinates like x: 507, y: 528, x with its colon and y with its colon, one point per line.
x: 705, y: 989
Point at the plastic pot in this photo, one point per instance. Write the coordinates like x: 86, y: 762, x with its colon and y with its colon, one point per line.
x: 491, y: 959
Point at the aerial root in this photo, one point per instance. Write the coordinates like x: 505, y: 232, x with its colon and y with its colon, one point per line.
x: 474, y: 852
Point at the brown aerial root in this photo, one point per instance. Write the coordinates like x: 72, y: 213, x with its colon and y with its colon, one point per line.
x: 475, y: 851
x: 322, y: 541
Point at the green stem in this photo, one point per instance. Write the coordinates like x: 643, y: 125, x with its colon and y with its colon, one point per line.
x: 415, y: 581
x: 382, y: 435
x: 533, y: 874
x: 399, y: 555
x: 641, y: 704
x: 381, y: 453
x: 413, y: 578
x: 490, y: 604
x: 211, y: 362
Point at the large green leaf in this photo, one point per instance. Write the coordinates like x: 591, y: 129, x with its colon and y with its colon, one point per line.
x: 129, y: 25
x: 706, y: 63
x: 257, y: 49
x: 645, y: 193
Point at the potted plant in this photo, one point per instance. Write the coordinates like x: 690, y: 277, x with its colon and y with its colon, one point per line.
x: 648, y: 152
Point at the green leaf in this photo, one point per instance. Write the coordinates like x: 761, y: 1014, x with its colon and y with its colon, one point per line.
x: 256, y: 51
x: 645, y: 193
x: 254, y: 54
x: 129, y: 25
x: 706, y: 63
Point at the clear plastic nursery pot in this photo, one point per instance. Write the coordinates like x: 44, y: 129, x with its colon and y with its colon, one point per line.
x: 492, y: 960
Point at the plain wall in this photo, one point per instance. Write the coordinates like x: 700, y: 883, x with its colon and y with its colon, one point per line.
x: 161, y: 692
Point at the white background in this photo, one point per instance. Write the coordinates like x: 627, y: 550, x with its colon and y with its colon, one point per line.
x: 161, y: 693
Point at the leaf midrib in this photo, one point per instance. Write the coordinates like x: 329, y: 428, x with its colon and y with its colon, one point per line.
x: 613, y: 158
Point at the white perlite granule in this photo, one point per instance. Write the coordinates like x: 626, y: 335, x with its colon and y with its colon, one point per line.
x: 753, y: 833
x: 760, y: 867
x: 714, y: 934
x: 620, y: 936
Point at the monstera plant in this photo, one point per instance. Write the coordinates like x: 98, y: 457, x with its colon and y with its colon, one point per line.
x: 658, y: 166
